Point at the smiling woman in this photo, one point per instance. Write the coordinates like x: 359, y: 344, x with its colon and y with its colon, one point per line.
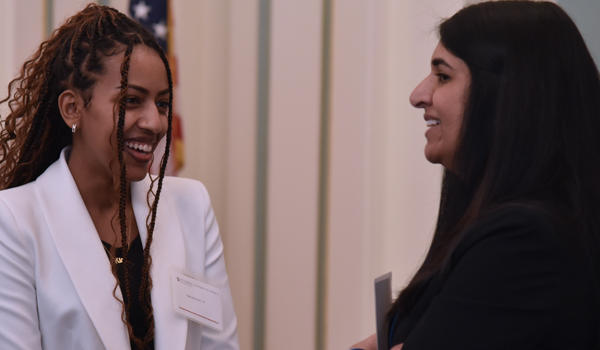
x: 512, y: 110
x: 87, y: 112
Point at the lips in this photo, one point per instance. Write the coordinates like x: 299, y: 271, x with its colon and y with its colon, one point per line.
x: 431, y: 123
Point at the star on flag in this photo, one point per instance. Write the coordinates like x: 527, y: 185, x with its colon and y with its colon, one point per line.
x: 141, y: 11
x: 160, y: 30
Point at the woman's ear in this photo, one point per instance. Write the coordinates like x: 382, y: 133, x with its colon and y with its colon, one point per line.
x: 71, y: 105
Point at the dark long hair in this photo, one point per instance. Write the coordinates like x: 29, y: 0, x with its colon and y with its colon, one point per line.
x: 530, y: 127
x: 34, y: 133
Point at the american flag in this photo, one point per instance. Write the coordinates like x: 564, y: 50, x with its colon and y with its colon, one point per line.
x: 155, y: 16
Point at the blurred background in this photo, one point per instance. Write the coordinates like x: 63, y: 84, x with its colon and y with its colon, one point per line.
x: 295, y: 115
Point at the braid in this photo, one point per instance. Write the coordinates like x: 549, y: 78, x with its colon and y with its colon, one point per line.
x: 123, y: 195
x: 39, y: 119
x: 37, y: 127
x: 146, y: 283
x: 74, y: 51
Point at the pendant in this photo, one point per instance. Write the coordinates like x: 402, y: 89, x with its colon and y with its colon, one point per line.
x: 119, y: 260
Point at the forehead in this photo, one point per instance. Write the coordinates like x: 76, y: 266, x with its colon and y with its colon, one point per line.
x: 145, y: 58
x: 145, y: 68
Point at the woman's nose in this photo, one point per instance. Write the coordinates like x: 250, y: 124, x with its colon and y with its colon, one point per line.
x: 422, y: 95
x: 151, y: 120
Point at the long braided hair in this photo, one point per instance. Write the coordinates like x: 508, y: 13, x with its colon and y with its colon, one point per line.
x: 34, y: 133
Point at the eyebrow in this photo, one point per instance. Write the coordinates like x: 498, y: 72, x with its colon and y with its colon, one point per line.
x: 438, y: 62
x: 145, y: 91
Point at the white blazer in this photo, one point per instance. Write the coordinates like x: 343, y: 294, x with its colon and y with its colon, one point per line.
x: 56, y: 286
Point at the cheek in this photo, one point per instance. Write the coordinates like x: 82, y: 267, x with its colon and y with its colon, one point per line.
x: 104, y: 124
x: 165, y: 126
x: 450, y: 108
x: 131, y: 117
x: 457, y: 114
x: 454, y: 128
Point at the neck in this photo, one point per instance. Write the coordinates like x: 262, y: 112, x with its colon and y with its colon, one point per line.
x: 97, y: 189
x: 96, y: 186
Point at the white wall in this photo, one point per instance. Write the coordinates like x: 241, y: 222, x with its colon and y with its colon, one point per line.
x: 238, y: 223
x: 63, y: 9
x: 17, y: 45
x: 292, y: 173
x: 384, y: 194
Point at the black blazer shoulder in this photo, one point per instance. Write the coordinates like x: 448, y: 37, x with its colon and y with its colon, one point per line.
x: 519, y: 279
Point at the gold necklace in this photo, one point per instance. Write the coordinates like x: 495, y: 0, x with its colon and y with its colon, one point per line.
x: 118, y: 259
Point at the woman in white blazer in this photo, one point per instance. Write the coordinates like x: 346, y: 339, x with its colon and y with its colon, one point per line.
x: 90, y: 245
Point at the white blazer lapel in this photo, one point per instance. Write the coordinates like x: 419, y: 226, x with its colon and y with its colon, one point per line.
x: 81, y: 252
x: 168, y: 254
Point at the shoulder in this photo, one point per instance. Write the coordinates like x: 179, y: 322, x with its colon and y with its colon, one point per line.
x: 183, y: 187
x: 186, y: 193
x: 515, y: 224
x: 516, y: 215
x: 521, y: 245
x: 509, y: 246
x: 19, y: 200
x: 19, y: 207
x: 510, y: 256
x: 21, y: 193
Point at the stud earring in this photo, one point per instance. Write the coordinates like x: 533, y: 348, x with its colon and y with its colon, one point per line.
x: 74, y: 128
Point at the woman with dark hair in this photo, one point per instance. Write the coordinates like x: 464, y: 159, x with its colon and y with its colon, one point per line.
x: 513, y: 110
x: 87, y: 255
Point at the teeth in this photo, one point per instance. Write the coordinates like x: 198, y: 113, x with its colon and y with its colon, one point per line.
x: 139, y: 146
x: 432, y: 122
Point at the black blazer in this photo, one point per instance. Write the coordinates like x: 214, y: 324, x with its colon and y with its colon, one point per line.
x: 517, y: 280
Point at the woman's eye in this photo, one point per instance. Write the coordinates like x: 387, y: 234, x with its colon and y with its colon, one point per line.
x: 443, y: 77
x: 163, y: 106
x: 132, y: 100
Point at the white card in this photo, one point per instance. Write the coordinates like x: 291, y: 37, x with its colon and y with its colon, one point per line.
x: 198, y: 301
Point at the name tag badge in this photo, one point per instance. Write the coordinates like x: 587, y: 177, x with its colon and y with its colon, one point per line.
x: 198, y: 301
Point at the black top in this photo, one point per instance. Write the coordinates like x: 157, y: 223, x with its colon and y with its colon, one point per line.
x: 137, y: 314
x: 518, y: 280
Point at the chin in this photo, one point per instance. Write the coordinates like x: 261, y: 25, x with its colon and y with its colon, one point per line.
x: 432, y: 157
x: 136, y: 175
